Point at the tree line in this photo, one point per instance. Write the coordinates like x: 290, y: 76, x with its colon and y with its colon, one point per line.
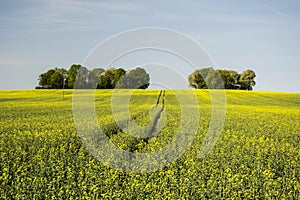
x: 58, y: 78
x: 217, y: 79
x: 80, y: 77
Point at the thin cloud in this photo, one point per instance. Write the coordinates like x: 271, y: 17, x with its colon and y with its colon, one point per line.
x: 269, y: 7
x: 47, y: 24
x: 92, y: 6
x: 54, y: 15
x: 277, y: 12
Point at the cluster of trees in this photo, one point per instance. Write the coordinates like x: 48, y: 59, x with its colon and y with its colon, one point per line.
x: 99, y: 78
x: 218, y: 79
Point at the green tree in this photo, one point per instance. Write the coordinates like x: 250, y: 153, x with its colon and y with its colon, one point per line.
x: 214, y: 80
x: 83, y: 79
x: 71, y: 74
x: 205, y: 71
x: 246, y: 79
x: 135, y: 79
x: 45, y: 79
x: 104, y: 82
x: 110, y: 78
x: 118, y: 74
x: 197, y: 78
x: 234, y: 75
x: 97, y: 72
x: 57, y: 80
x: 106, y: 79
x: 230, y: 78
x: 53, y: 78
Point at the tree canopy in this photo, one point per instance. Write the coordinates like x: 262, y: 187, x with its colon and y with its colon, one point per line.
x: 134, y: 79
x: 53, y: 78
x: 216, y: 79
x: 138, y: 78
x: 99, y: 78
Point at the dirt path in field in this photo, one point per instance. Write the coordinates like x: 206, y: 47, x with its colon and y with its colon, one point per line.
x: 154, y: 130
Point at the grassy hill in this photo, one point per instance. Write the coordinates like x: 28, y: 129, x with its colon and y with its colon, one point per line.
x: 256, y: 154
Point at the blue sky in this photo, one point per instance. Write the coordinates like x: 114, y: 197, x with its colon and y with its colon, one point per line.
x: 36, y: 35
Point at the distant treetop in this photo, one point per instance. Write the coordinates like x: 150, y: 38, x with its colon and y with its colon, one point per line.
x: 99, y: 78
x: 217, y: 79
x: 80, y: 77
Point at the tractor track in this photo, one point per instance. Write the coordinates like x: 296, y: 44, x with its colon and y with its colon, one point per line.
x: 154, y: 129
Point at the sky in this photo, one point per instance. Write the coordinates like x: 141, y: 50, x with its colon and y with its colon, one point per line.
x: 262, y: 35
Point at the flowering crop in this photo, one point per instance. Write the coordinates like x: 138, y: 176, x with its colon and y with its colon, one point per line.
x: 257, y: 155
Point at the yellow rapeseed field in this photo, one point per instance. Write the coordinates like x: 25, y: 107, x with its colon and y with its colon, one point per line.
x: 256, y: 157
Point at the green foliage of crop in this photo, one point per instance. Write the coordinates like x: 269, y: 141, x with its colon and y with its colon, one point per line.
x: 257, y: 155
